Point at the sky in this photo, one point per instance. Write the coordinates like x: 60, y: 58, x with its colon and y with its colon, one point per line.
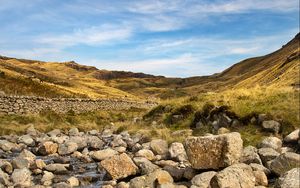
x: 175, y: 38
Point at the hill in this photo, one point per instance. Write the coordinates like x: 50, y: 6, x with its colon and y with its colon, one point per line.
x: 69, y: 79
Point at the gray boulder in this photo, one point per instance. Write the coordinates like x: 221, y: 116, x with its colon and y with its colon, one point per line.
x: 272, y: 126
x: 67, y: 148
x: 237, y: 176
x: 177, y: 152
x: 203, y: 180
x: 267, y: 154
x: 250, y: 155
x: 145, y: 153
x: 21, y: 177
x: 285, y: 162
x: 57, y: 168
x: 159, y: 147
x: 271, y: 142
x: 6, y: 145
x: 290, y: 179
x: 214, y: 152
x: 293, y: 137
x: 103, y: 154
x: 27, y: 140
x: 145, y: 165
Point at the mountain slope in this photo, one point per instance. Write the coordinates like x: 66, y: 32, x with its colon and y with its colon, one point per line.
x: 69, y: 79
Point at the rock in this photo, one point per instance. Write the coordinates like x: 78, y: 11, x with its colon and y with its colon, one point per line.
x: 271, y: 142
x: 267, y: 154
x: 290, y: 179
x: 119, y: 166
x: 27, y: 140
x: 57, y: 168
x: 250, y: 155
x: 118, y: 141
x: 176, y: 172
x: 260, y: 178
x: 67, y: 148
x: 21, y: 177
x: 177, y: 151
x: 258, y: 167
x: 19, y: 163
x: 6, y: 166
x: 61, y: 185
x: 31, y: 131
x: 164, y: 163
x: 95, y: 142
x: 145, y: 165
x: 213, y: 152
x: 285, y: 162
x: 286, y: 149
x: 39, y: 164
x: 261, y: 118
x: 203, y: 179
x: 123, y: 185
x: 189, y: 173
x: 293, y: 137
x: 54, y: 133
x: 272, y: 126
x: 47, y: 178
x: 103, y: 154
x: 4, y: 178
x: 237, y: 176
x: 81, y: 141
x: 148, y: 154
x: 47, y: 148
x: 223, y: 130
x: 73, y: 132
x: 72, y: 181
x: 25, y: 154
x: 159, y: 147
x: 6, y: 145
x: 151, y: 180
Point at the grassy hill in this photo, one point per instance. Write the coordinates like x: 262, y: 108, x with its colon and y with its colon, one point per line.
x: 69, y: 79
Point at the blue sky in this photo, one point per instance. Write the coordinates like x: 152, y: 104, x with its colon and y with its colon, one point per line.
x: 177, y: 38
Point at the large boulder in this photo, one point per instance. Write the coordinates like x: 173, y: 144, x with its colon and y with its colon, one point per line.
x: 47, y: 148
x: 290, y: 179
x: 21, y: 177
x: 250, y: 155
x: 285, y: 162
x: 152, y: 180
x: 214, y: 152
x: 267, y: 154
x: 237, y: 176
x: 271, y: 142
x: 203, y: 179
x: 272, y: 126
x: 159, y: 146
x: 119, y: 166
x: 103, y: 154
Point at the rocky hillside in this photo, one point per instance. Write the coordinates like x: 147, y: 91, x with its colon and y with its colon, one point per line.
x: 50, y: 79
x: 104, y: 159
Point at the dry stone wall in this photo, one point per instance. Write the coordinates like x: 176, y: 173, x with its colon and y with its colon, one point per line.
x: 30, y: 104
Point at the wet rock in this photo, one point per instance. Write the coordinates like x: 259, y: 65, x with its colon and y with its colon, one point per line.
x: 21, y: 177
x: 73, y: 181
x: 177, y: 151
x: 57, y: 168
x: 103, y: 154
x: 27, y: 140
x: 148, y: 154
x: 271, y: 142
x: 293, y: 137
x: 250, y: 155
x: 203, y: 179
x: 151, y: 180
x: 267, y: 154
x: 290, y: 179
x: 67, y: 148
x: 237, y: 176
x: 47, y: 178
x: 145, y: 165
x: 47, y: 148
x: 272, y: 126
x: 119, y: 166
x: 260, y: 178
x: 159, y: 147
x: 285, y: 162
x: 213, y: 152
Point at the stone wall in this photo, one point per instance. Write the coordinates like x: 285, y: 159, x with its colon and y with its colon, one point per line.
x: 30, y: 104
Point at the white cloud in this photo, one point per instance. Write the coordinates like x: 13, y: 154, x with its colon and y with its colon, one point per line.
x: 89, y: 36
